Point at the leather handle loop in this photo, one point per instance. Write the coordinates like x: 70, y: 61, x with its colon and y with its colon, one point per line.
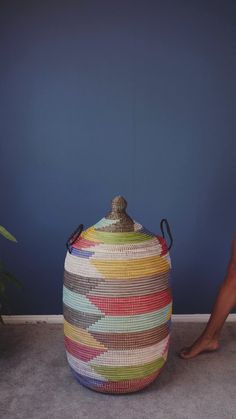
x: 74, y: 236
x: 164, y: 223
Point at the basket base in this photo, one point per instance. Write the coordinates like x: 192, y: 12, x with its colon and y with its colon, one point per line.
x: 116, y: 387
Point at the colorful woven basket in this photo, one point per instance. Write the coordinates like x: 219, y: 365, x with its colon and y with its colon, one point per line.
x: 117, y: 303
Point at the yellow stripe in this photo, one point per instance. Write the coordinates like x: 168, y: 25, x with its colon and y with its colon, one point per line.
x: 132, y: 269
x: 82, y: 336
x: 105, y: 237
x: 89, y: 235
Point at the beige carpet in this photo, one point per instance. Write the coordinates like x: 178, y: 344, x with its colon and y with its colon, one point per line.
x: 35, y: 381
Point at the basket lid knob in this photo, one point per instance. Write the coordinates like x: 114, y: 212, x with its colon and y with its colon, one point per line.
x: 123, y: 222
x: 118, y: 204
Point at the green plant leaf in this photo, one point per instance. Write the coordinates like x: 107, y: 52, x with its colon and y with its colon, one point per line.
x: 3, y: 300
x: 7, y: 235
x: 2, y: 287
x: 8, y: 277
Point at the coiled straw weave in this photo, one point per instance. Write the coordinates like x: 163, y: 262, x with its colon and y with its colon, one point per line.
x: 117, y: 304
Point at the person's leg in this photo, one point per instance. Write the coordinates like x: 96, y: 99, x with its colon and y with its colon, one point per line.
x: 225, y: 302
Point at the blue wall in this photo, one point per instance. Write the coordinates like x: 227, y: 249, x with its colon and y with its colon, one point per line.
x: 128, y: 97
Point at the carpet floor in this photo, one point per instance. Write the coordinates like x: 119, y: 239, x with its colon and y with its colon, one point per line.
x: 36, y: 383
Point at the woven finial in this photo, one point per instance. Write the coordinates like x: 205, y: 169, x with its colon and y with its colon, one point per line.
x: 118, y: 204
x: 122, y: 220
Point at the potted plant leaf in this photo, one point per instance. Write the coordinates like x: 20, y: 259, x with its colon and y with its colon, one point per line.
x: 5, y: 276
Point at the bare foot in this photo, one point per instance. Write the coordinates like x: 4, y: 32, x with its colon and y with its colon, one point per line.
x: 201, y: 345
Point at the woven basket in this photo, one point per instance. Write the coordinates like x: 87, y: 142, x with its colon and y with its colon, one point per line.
x: 117, y: 303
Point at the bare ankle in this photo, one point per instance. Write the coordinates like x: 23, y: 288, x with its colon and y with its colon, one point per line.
x: 208, y: 337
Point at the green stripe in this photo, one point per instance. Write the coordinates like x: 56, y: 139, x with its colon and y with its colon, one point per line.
x: 79, y: 302
x: 126, y: 373
x: 135, y: 323
x: 128, y: 237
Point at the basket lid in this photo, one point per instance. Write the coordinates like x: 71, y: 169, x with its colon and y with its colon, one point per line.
x: 118, y: 221
x: 117, y: 228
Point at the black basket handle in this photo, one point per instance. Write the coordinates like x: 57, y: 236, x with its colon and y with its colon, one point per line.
x: 165, y: 223
x: 74, y: 236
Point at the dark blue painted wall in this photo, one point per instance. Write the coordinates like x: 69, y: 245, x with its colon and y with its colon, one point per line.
x: 100, y: 98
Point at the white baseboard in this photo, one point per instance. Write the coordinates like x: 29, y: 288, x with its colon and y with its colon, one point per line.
x: 198, y: 318
x: 58, y: 318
